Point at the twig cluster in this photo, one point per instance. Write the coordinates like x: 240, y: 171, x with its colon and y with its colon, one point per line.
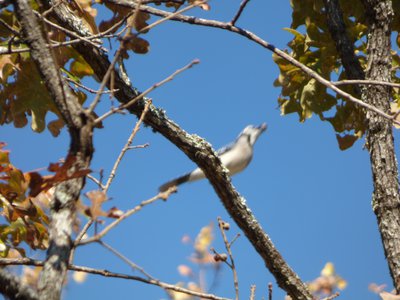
x: 188, y: 144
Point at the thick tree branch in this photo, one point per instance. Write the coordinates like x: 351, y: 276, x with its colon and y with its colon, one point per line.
x: 12, y: 287
x: 379, y: 135
x: 386, y: 200
x: 80, y: 128
x: 202, y: 154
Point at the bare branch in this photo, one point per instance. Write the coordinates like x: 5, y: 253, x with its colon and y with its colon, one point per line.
x: 79, y: 155
x: 366, y: 82
x: 234, y: 239
x: 88, y: 89
x: 152, y: 88
x: 160, y: 196
x: 239, y: 12
x: 126, y: 147
x: 70, y: 33
x: 122, y: 46
x: 201, y: 153
x: 106, y: 273
x: 15, y: 32
x: 112, y: 174
x: 56, y: 44
x: 171, y: 15
x: 139, y: 146
x: 126, y: 260
x: 264, y: 44
x: 110, y: 69
x: 96, y: 181
x: 221, y: 225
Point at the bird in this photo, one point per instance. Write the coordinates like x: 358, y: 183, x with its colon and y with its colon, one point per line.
x: 235, y: 156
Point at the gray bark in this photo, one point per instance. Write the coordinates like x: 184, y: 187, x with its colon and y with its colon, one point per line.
x: 385, y: 201
x: 78, y: 158
x: 202, y: 154
x: 379, y: 139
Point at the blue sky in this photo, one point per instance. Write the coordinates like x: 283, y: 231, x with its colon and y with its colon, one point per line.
x: 311, y: 198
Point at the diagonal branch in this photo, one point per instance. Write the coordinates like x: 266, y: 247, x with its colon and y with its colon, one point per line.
x: 80, y: 153
x: 239, y: 12
x: 251, y: 36
x: 125, y: 148
x: 200, y: 152
x: 160, y: 196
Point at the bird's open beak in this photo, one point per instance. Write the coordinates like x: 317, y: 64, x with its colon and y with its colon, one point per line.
x: 263, y: 127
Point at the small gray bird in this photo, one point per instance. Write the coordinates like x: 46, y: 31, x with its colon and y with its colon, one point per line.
x: 235, y: 157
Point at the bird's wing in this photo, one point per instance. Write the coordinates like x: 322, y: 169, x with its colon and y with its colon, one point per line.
x: 225, y: 149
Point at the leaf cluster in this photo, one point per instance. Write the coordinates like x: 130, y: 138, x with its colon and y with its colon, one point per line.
x: 313, y: 46
x: 24, y: 204
x: 25, y: 215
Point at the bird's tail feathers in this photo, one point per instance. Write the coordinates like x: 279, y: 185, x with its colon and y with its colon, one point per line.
x: 174, y: 182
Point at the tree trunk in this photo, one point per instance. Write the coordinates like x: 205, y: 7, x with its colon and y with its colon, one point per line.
x: 385, y: 200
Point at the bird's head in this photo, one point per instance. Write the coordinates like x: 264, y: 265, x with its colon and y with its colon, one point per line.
x: 253, y: 132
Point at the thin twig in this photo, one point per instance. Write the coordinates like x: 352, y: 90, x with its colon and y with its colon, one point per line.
x: 116, y: 25
x: 253, y: 292
x: 56, y: 44
x: 89, y: 89
x: 133, y: 101
x: 112, y: 175
x: 373, y: 82
x: 239, y: 12
x: 126, y: 147
x: 234, y: 240
x: 181, y: 2
x: 53, y: 6
x: 78, y: 239
x: 160, y: 196
x: 14, y: 31
x: 138, y: 146
x: 221, y: 225
x: 253, y: 37
x: 170, y: 16
x: 7, y: 50
x: 126, y: 260
x: 110, y: 69
x: 70, y: 33
x: 121, y: 48
x: 96, y: 181
x: 106, y: 273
